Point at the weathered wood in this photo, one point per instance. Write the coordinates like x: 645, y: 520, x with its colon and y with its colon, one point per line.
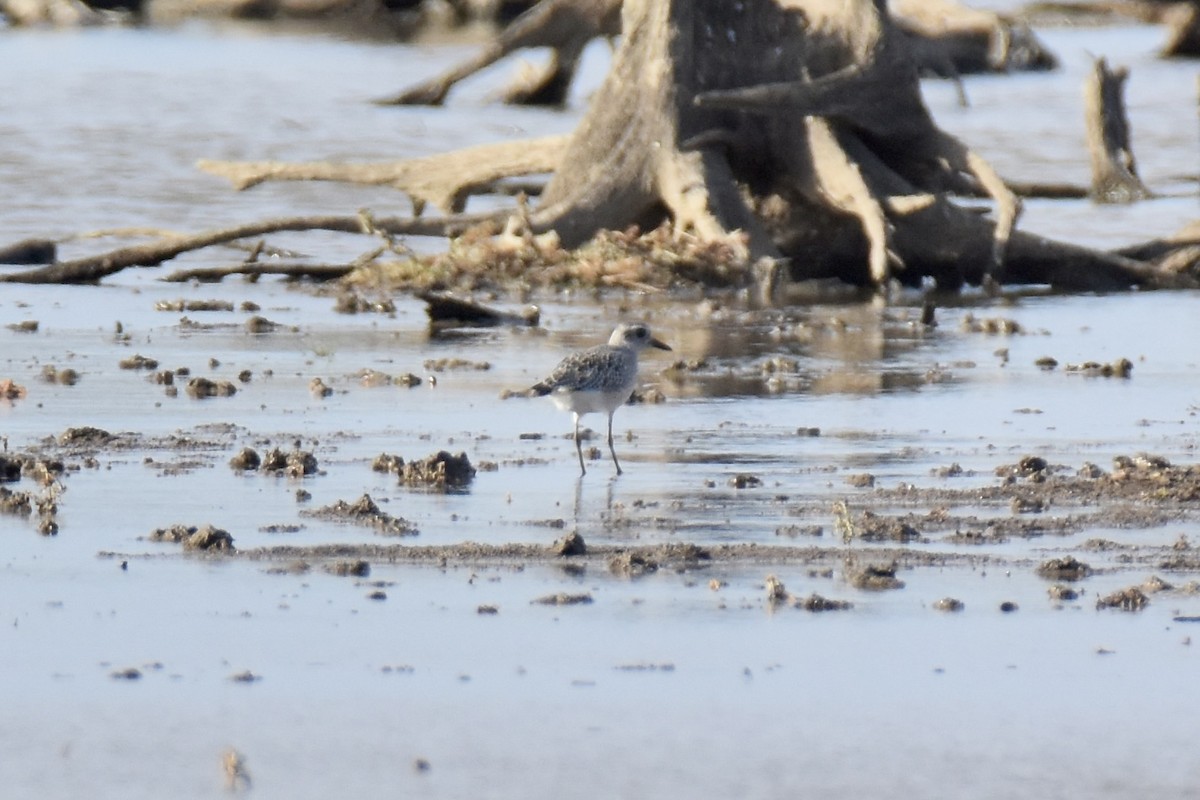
x: 446, y: 311
x: 693, y: 76
x: 29, y: 251
x: 564, y: 25
x: 444, y: 180
x: 1114, y: 172
x: 711, y: 105
x: 1183, y: 31
x: 93, y: 268
x: 950, y: 39
x: 315, y: 272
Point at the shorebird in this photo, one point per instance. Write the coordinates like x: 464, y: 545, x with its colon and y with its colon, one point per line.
x: 600, y: 378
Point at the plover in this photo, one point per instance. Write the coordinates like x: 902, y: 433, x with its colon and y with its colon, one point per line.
x: 600, y: 378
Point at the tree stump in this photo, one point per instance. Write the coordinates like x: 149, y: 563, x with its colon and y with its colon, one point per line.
x: 713, y: 110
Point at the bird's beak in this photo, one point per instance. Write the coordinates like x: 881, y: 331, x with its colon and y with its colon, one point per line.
x: 659, y: 344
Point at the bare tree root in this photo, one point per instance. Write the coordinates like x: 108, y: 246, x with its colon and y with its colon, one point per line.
x: 960, y: 159
x: 840, y: 183
x: 549, y: 85
x: 93, y: 268
x: 444, y: 180
x: 565, y: 25
x: 699, y: 190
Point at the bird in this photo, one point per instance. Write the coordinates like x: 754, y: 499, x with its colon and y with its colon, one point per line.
x: 599, y: 379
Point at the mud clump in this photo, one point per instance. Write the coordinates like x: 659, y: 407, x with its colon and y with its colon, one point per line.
x: 563, y: 599
x: 632, y: 564
x: 207, y: 538
x: 66, y: 376
x: 353, y: 569
x: 949, y: 604
x: 816, y: 603
x: 1060, y: 593
x: 1033, y: 468
x: 16, y: 503
x: 796, y: 531
x: 444, y: 364
x: 1064, y: 569
x: 258, y: 324
x: 1131, y: 599
x: 745, y: 481
x: 441, y: 472
x: 10, y: 390
x: 874, y: 577
x: 386, y: 462
x: 363, y: 511
x: 570, y: 545
x: 85, y: 436
x: 1121, y: 368
x: 10, y: 469
x: 246, y: 459
x: 1028, y: 505
x: 992, y: 326
x: 201, y: 388
x: 294, y: 464
x: 138, y: 361
x: 682, y: 554
x: 193, y: 305
x: 872, y: 527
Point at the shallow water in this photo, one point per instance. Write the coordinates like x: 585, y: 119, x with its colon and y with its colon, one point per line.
x: 662, y: 685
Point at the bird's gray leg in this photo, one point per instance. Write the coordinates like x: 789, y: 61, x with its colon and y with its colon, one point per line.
x: 611, y: 449
x: 579, y: 448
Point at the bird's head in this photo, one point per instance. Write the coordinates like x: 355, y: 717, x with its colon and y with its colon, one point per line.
x: 636, y: 335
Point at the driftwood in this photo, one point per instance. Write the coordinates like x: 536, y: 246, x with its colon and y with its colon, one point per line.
x: 1183, y: 25
x: 254, y: 270
x: 447, y: 311
x: 29, y: 251
x: 1114, y: 172
x: 950, y: 39
x: 93, y: 268
x: 443, y: 180
x: 565, y: 26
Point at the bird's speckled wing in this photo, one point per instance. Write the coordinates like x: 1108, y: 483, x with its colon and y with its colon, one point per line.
x: 601, y: 368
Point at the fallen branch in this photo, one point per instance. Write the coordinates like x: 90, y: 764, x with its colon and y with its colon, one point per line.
x: 445, y: 180
x: 317, y: 272
x: 564, y: 25
x: 150, y: 254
